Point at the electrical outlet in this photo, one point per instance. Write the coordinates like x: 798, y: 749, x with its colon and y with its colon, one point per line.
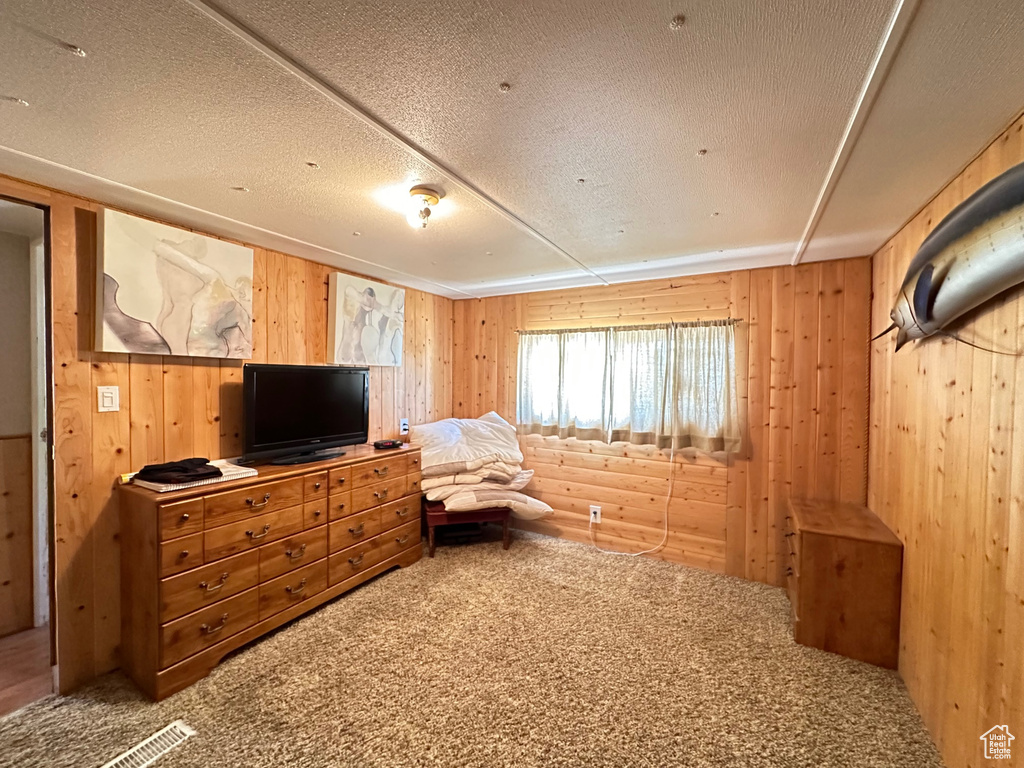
x: 595, y: 513
x: 403, y: 426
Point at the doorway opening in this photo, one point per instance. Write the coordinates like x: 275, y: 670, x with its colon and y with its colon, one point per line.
x: 26, y: 520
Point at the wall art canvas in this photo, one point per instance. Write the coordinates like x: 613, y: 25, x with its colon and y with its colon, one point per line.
x: 364, y: 321
x: 161, y: 290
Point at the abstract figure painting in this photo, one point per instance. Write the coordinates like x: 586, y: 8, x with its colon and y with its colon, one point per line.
x: 365, y: 321
x: 167, y: 291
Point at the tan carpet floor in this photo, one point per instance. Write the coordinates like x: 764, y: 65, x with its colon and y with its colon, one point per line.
x: 549, y: 654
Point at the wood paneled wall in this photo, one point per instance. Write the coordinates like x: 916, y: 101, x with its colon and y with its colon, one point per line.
x: 802, y: 362
x: 16, y: 572
x: 947, y: 474
x: 174, y: 407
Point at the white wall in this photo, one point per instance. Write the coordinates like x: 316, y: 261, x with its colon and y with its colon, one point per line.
x: 15, y: 336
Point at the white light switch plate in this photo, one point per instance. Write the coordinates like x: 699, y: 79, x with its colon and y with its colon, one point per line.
x: 108, y: 399
x: 403, y: 426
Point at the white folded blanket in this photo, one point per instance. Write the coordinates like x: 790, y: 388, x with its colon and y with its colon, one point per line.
x: 475, y: 464
x: 522, y: 506
x: 497, y: 472
x: 445, y: 491
x: 453, y: 446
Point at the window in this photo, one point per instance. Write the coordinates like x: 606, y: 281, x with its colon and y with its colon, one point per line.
x: 651, y: 385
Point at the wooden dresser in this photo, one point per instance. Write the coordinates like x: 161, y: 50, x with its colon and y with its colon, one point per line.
x: 844, y: 581
x: 206, y: 570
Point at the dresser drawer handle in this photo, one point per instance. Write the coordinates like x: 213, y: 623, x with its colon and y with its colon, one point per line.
x: 402, y: 540
x: 415, y: 461
x: 355, y: 562
x: 380, y: 471
x: 341, y: 481
x: 208, y: 630
x: 358, y: 530
x: 296, y: 590
x: 317, y: 513
x: 184, y: 516
x: 183, y: 554
x: 293, y: 556
x: 258, y: 504
x: 316, y: 486
x: 341, y: 505
x: 214, y: 587
x: 253, y: 535
x: 402, y: 512
x: 381, y: 494
x: 791, y: 533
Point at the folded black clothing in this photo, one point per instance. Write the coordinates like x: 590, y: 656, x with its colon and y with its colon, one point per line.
x: 184, y: 471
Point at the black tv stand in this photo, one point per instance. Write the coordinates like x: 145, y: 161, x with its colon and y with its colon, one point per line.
x: 306, y: 458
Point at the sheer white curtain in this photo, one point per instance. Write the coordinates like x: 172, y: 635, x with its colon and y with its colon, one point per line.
x: 648, y: 385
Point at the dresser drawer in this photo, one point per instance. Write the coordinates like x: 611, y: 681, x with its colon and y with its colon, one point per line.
x: 379, y: 470
x: 412, y: 483
x: 222, y: 508
x: 194, y: 589
x: 353, y: 529
x: 291, y: 553
x: 314, y: 513
x: 353, y: 560
x: 181, y: 554
x: 399, y: 512
x: 292, y: 588
x: 191, y: 634
x: 315, y: 486
x: 378, y: 493
x: 400, y: 539
x: 340, y: 505
x: 181, y: 519
x: 251, y: 533
x: 414, y: 461
x: 340, y: 479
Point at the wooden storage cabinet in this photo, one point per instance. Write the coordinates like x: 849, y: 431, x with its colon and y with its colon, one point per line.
x: 209, y: 569
x: 844, y: 581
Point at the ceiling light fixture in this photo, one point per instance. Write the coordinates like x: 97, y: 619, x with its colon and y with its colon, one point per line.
x: 422, y: 200
x: 14, y: 100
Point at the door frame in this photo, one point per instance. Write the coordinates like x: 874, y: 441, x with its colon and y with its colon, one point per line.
x: 41, y: 433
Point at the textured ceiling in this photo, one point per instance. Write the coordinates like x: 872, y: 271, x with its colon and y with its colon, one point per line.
x: 957, y: 82
x: 170, y: 109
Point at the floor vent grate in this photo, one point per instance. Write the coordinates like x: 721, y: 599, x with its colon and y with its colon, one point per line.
x: 156, y: 746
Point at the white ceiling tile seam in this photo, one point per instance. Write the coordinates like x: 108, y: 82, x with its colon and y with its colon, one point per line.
x: 888, y: 48
x: 325, y: 89
x: 228, y: 220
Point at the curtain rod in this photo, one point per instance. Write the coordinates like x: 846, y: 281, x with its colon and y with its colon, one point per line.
x: 651, y: 327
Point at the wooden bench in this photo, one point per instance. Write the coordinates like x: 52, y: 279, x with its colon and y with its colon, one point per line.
x: 436, y: 515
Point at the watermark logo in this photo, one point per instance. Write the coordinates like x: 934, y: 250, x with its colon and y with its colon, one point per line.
x: 997, y: 742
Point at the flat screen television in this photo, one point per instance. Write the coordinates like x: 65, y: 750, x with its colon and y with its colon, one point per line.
x: 298, y: 413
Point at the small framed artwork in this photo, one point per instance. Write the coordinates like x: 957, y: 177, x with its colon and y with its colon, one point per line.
x: 364, y: 321
x: 161, y: 290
